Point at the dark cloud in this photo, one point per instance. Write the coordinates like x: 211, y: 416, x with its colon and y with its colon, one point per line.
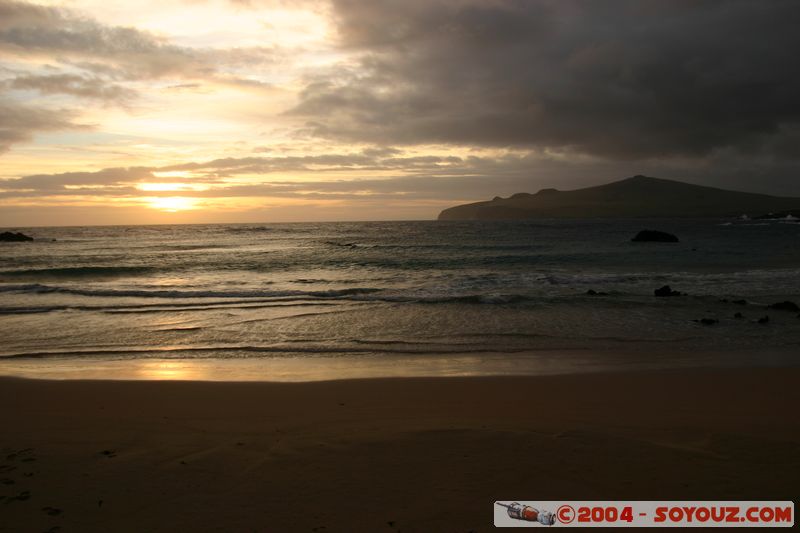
x: 625, y: 79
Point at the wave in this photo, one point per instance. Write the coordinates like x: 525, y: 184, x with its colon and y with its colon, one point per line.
x: 185, y: 247
x: 583, y: 279
x: 210, y: 300
x: 356, y: 293
x: 494, y: 299
x: 353, y: 293
x: 78, y: 272
x: 248, y: 229
x: 37, y: 288
x: 243, y: 351
x: 169, y: 307
x: 487, y: 247
x: 31, y: 310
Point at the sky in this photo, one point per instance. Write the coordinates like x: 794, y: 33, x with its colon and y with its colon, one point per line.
x: 194, y: 111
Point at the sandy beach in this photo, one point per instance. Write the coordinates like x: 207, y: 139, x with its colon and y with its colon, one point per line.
x: 418, y: 454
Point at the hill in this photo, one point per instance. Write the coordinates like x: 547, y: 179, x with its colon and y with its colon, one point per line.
x: 639, y: 196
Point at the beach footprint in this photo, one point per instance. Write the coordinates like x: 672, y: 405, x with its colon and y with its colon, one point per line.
x: 21, y: 497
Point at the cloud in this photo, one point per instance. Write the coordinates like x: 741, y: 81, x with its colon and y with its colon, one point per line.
x: 628, y: 79
x: 32, y: 30
x: 58, y: 51
x: 117, y: 52
x: 42, y: 183
x: 408, y: 176
x: 72, y: 84
x: 385, y: 173
x: 18, y: 122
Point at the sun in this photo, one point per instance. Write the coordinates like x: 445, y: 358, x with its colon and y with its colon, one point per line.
x: 171, y: 204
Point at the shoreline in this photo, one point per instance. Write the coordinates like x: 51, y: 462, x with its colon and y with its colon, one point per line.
x: 386, y: 454
x: 297, y: 369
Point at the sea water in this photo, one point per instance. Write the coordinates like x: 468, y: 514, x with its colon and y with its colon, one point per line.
x: 319, y: 300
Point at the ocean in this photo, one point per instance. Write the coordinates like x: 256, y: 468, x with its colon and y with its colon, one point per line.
x: 320, y: 300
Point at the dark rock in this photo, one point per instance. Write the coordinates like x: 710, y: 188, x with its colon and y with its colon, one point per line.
x: 784, y: 306
x: 763, y: 320
x: 7, y: 236
x: 592, y: 292
x: 738, y: 315
x: 666, y: 291
x: 708, y: 321
x: 649, y: 235
x: 739, y: 302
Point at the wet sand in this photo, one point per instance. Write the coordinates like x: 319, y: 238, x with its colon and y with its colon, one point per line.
x: 416, y: 454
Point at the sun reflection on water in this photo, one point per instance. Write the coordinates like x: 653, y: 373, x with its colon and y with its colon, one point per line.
x: 171, y: 370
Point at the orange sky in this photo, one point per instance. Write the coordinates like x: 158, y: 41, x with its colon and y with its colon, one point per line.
x: 199, y: 81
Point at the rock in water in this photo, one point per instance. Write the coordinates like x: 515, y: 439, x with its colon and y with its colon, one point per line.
x: 592, y: 292
x: 7, y: 236
x: 708, y: 321
x: 666, y: 290
x: 649, y: 235
x: 785, y: 306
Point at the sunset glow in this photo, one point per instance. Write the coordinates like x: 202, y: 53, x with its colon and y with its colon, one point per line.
x: 171, y: 204
x: 274, y: 110
x: 158, y: 187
